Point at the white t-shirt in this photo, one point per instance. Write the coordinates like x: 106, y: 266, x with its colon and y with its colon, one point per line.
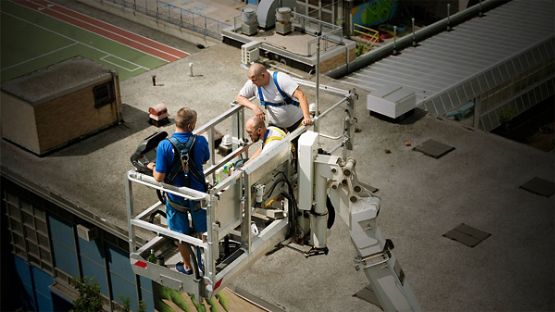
x: 282, y: 116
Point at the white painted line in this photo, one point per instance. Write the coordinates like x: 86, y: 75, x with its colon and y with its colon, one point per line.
x: 126, y: 31
x: 104, y: 59
x: 40, y: 56
x: 97, y: 34
x: 69, y: 38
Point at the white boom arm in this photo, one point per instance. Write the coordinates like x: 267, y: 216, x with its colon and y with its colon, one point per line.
x: 321, y: 176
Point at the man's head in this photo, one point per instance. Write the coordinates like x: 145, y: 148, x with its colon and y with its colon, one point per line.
x: 186, y: 119
x: 258, y: 75
x: 255, y: 128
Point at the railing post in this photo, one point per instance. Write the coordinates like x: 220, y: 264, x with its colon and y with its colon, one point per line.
x: 395, y: 51
x: 156, y: 11
x: 414, y: 43
x: 448, y: 16
x: 318, y: 75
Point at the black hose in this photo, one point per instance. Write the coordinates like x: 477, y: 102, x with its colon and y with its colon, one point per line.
x: 269, y: 193
x: 331, y: 212
x: 194, y: 258
x: 291, y: 216
x: 160, y: 212
x: 161, y: 197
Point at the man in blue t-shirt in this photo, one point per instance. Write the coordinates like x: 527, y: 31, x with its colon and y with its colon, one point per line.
x: 177, y: 207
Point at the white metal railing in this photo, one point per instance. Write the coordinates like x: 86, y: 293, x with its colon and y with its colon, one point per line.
x: 228, y: 205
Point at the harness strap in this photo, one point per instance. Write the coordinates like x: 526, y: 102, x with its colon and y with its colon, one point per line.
x: 184, y: 209
x: 182, y: 163
x: 268, y: 139
x: 287, y: 100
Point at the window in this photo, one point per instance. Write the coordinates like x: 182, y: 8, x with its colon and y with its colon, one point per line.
x: 103, y: 94
x: 28, y: 230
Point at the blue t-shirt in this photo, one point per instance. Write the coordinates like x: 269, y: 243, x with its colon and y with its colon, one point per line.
x: 200, y: 154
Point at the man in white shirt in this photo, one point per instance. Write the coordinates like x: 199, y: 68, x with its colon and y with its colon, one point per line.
x: 285, y: 103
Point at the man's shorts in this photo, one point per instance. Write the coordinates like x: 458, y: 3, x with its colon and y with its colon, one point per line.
x: 179, y: 221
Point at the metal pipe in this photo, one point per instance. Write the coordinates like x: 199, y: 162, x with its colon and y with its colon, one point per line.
x: 414, y: 44
x: 395, y: 50
x: 179, y: 191
x: 338, y: 146
x: 129, y: 201
x: 167, y: 232
x: 219, y: 118
x: 148, y: 210
x: 330, y: 137
x: 212, y: 236
x: 448, y: 16
x: 326, y: 88
x: 318, y: 76
x: 331, y: 108
x: 227, y: 158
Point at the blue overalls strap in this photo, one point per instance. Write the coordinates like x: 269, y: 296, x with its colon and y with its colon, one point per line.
x: 286, y: 98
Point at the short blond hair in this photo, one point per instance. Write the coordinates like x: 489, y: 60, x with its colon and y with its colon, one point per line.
x: 186, y: 118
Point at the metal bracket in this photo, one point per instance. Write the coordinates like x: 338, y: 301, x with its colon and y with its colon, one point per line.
x: 375, y: 258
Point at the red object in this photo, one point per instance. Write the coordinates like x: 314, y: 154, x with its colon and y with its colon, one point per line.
x: 218, y: 284
x: 141, y: 264
x: 158, y: 109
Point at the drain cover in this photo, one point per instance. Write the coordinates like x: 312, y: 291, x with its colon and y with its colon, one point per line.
x: 434, y: 148
x: 467, y: 235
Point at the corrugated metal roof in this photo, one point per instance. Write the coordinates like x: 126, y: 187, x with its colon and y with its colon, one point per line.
x: 476, y: 47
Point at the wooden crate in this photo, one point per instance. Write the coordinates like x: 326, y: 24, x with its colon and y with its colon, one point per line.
x: 54, y: 106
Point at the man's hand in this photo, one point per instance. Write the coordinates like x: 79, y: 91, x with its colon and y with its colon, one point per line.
x: 307, y: 121
x: 259, y: 113
x: 151, y: 166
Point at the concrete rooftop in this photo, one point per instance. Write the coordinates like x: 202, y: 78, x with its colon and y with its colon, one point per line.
x: 422, y: 198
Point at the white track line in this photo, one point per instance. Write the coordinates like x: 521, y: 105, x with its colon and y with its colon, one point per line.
x: 97, y: 34
x: 135, y: 34
x: 117, y: 65
x: 69, y: 38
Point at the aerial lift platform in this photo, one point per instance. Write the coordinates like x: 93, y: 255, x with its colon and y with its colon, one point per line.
x: 290, y: 193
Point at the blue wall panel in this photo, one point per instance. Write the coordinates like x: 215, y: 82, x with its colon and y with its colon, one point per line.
x: 93, y: 263
x: 122, y: 277
x: 24, y: 273
x: 147, y: 294
x: 42, y: 281
x: 63, y: 246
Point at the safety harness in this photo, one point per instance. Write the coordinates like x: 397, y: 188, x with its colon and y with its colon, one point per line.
x: 287, y: 100
x: 183, y: 163
x: 268, y: 139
